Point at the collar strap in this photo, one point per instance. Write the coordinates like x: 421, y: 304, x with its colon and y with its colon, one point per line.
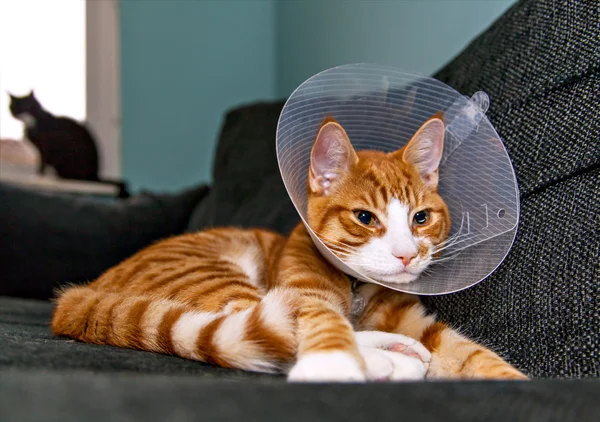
x: 358, y: 302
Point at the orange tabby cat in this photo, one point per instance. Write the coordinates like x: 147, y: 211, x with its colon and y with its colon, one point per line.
x: 255, y: 300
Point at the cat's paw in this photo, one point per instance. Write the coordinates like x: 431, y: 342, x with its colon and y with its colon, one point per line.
x: 393, y: 357
x: 407, y: 367
x: 393, y: 342
x: 327, y: 367
x: 379, y: 366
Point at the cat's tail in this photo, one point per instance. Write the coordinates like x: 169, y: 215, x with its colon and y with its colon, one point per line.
x: 259, y: 338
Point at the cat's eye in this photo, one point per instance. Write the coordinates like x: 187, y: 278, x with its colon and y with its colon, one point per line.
x: 365, y: 217
x: 421, y: 217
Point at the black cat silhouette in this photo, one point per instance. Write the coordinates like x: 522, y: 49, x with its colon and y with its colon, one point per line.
x: 65, y: 144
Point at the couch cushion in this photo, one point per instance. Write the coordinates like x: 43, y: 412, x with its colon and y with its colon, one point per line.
x: 247, y: 188
x: 540, y: 308
x: 43, y: 377
x: 540, y: 65
x: 48, y: 239
x: 88, y: 396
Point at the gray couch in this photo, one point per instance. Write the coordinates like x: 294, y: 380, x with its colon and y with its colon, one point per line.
x: 540, y: 65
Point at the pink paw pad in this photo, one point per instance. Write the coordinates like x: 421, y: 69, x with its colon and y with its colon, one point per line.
x: 404, y: 349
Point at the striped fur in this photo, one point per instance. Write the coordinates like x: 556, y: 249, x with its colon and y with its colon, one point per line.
x: 189, y: 296
x: 255, y: 300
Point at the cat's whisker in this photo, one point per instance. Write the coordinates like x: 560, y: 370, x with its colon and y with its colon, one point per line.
x: 329, y: 239
x: 458, y: 242
x: 340, y: 246
x: 336, y: 243
x: 341, y: 249
x: 351, y: 256
x: 445, y: 259
x: 449, y: 239
x: 454, y: 242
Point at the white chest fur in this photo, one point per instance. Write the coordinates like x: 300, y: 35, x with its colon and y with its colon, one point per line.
x: 27, y: 119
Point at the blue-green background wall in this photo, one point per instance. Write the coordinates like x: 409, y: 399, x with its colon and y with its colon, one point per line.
x: 413, y: 35
x: 185, y: 62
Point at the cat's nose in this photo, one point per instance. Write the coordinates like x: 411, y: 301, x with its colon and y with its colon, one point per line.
x: 406, y: 258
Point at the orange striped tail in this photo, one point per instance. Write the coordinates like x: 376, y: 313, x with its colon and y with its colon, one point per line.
x: 260, y: 338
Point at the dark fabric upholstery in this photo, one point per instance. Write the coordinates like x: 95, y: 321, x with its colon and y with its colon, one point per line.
x: 247, y: 187
x: 48, y: 239
x: 44, y: 378
x: 540, y: 65
x: 84, y: 396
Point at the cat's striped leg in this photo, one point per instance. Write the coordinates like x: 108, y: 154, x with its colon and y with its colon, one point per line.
x: 453, y: 355
x: 327, y: 349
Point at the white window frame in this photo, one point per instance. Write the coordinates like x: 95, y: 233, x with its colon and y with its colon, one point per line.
x: 103, y: 98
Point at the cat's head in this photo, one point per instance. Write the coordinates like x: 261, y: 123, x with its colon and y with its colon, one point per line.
x: 379, y: 213
x: 27, y: 104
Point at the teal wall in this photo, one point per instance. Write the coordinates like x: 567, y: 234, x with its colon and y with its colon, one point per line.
x: 183, y: 63
x: 413, y: 35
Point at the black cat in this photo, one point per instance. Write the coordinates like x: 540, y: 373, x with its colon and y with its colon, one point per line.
x: 64, y: 143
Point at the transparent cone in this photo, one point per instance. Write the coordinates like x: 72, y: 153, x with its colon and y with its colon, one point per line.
x: 381, y: 108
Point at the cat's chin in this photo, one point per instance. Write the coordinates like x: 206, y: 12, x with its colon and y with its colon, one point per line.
x: 400, y: 277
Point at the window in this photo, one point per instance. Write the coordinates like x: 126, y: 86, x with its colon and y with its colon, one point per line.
x: 42, y: 49
x: 67, y: 52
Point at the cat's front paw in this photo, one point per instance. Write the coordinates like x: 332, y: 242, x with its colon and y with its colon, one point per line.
x: 393, y: 357
x: 327, y: 367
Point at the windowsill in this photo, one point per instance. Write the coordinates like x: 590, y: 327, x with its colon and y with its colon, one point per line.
x: 47, y: 183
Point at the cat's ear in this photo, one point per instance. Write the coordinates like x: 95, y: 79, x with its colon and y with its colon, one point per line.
x: 424, y: 150
x: 31, y: 94
x: 332, y: 156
